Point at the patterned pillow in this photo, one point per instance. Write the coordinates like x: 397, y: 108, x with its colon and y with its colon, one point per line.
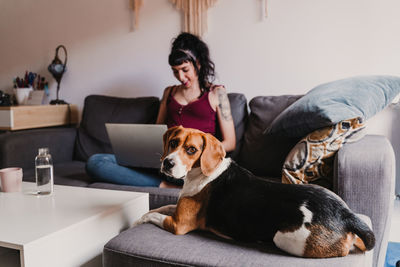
x: 330, y: 103
x: 312, y: 157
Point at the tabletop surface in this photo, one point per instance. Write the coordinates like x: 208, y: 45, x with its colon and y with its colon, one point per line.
x: 26, y: 217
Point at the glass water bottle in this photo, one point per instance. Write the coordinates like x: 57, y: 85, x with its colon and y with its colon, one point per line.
x: 44, y: 172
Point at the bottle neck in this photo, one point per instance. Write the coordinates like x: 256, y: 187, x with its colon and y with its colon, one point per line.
x: 43, y: 151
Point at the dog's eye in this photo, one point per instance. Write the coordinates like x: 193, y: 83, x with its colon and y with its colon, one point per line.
x: 173, y: 143
x: 191, y: 150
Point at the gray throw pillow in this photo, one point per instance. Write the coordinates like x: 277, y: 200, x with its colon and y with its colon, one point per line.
x: 330, y: 103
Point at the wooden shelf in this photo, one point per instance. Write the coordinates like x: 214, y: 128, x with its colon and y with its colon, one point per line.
x: 28, y: 117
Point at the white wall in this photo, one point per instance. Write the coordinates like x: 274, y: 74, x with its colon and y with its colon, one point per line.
x: 300, y: 45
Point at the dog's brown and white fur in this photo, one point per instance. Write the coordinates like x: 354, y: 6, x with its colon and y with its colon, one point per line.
x: 224, y: 198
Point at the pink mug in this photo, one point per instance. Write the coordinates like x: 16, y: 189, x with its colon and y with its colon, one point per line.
x: 11, y: 179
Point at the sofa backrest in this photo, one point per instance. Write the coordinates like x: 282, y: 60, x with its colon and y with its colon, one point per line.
x: 261, y: 153
x: 264, y: 154
x: 92, y: 136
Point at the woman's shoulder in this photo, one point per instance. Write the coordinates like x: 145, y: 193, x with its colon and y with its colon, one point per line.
x: 169, y: 90
x: 216, y: 94
x: 217, y: 89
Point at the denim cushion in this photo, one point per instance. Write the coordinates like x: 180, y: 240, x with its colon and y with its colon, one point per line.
x: 330, y: 103
x: 92, y: 135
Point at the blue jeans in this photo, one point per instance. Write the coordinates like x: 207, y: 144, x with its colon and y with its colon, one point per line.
x: 104, y: 168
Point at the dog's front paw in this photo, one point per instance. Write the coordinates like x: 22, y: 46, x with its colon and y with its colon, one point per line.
x: 144, y: 219
x: 152, y: 217
x: 137, y: 222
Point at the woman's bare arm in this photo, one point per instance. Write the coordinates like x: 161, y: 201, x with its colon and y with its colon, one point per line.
x: 162, y: 112
x: 225, y: 118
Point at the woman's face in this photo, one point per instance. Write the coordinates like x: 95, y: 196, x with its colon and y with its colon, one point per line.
x: 186, y: 74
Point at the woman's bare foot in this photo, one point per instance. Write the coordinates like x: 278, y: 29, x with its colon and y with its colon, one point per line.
x: 165, y: 184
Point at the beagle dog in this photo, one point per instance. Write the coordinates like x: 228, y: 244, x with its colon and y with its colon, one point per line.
x: 226, y: 199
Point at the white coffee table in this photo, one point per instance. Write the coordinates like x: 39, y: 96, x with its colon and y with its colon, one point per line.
x: 68, y: 228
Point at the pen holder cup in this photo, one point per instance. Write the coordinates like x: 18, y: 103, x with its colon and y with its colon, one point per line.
x: 22, y: 95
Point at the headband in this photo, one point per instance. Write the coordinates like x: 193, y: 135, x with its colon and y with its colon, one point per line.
x: 188, y: 53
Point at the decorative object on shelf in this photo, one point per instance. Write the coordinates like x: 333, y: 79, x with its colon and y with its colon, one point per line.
x: 5, y: 99
x: 135, y: 6
x: 195, y: 14
x: 57, y: 69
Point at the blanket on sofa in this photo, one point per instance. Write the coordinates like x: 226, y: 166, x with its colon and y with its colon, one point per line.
x: 312, y: 157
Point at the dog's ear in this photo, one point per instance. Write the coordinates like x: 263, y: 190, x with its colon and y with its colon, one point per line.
x: 213, y: 154
x: 167, y: 135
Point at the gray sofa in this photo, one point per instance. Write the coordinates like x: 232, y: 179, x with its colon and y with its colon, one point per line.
x: 363, y: 177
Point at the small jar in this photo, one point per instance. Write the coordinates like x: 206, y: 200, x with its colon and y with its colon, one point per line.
x: 44, y: 172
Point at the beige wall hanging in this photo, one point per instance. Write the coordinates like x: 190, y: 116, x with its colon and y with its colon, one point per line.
x: 264, y: 9
x: 195, y: 14
x: 135, y: 6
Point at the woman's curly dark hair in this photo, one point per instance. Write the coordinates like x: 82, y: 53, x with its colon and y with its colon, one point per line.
x: 187, y: 47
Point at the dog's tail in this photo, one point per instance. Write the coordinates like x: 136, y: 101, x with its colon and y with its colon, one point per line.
x: 362, y: 230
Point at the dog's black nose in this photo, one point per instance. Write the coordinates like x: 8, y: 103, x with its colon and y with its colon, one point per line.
x: 168, y: 164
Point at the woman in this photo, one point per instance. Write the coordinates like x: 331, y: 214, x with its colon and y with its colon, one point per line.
x: 195, y: 103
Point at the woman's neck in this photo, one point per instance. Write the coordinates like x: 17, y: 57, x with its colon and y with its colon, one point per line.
x: 190, y: 94
x: 194, y: 88
x: 193, y: 91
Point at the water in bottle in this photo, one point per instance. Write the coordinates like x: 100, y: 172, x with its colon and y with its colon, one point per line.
x: 44, y: 172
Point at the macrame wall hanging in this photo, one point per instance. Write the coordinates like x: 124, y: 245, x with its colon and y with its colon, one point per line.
x: 195, y: 14
x: 135, y: 6
x: 264, y: 9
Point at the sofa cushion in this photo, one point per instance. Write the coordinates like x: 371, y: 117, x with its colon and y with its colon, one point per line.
x: 148, y: 245
x: 67, y: 173
x: 92, y: 136
x: 332, y: 102
x: 20, y: 148
x: 157, y: 196
x: 262, y: 153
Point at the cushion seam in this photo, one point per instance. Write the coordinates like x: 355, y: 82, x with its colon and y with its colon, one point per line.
x: 146, y: 258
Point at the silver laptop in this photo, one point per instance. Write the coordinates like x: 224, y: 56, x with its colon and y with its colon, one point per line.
x: 137, y: 145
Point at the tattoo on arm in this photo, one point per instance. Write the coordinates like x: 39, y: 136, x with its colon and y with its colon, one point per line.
x: 224, y: 105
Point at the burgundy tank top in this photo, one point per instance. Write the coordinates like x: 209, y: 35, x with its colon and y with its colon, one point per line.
x: 197, y: 115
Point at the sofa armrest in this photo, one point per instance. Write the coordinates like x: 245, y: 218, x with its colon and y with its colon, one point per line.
x: 19, y: 149
x: 364, y: 176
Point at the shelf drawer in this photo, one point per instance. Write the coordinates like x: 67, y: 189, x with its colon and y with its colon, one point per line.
x: 28, y: 117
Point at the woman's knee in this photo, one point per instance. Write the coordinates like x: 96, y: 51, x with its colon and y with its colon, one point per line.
x: 98, y: 161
